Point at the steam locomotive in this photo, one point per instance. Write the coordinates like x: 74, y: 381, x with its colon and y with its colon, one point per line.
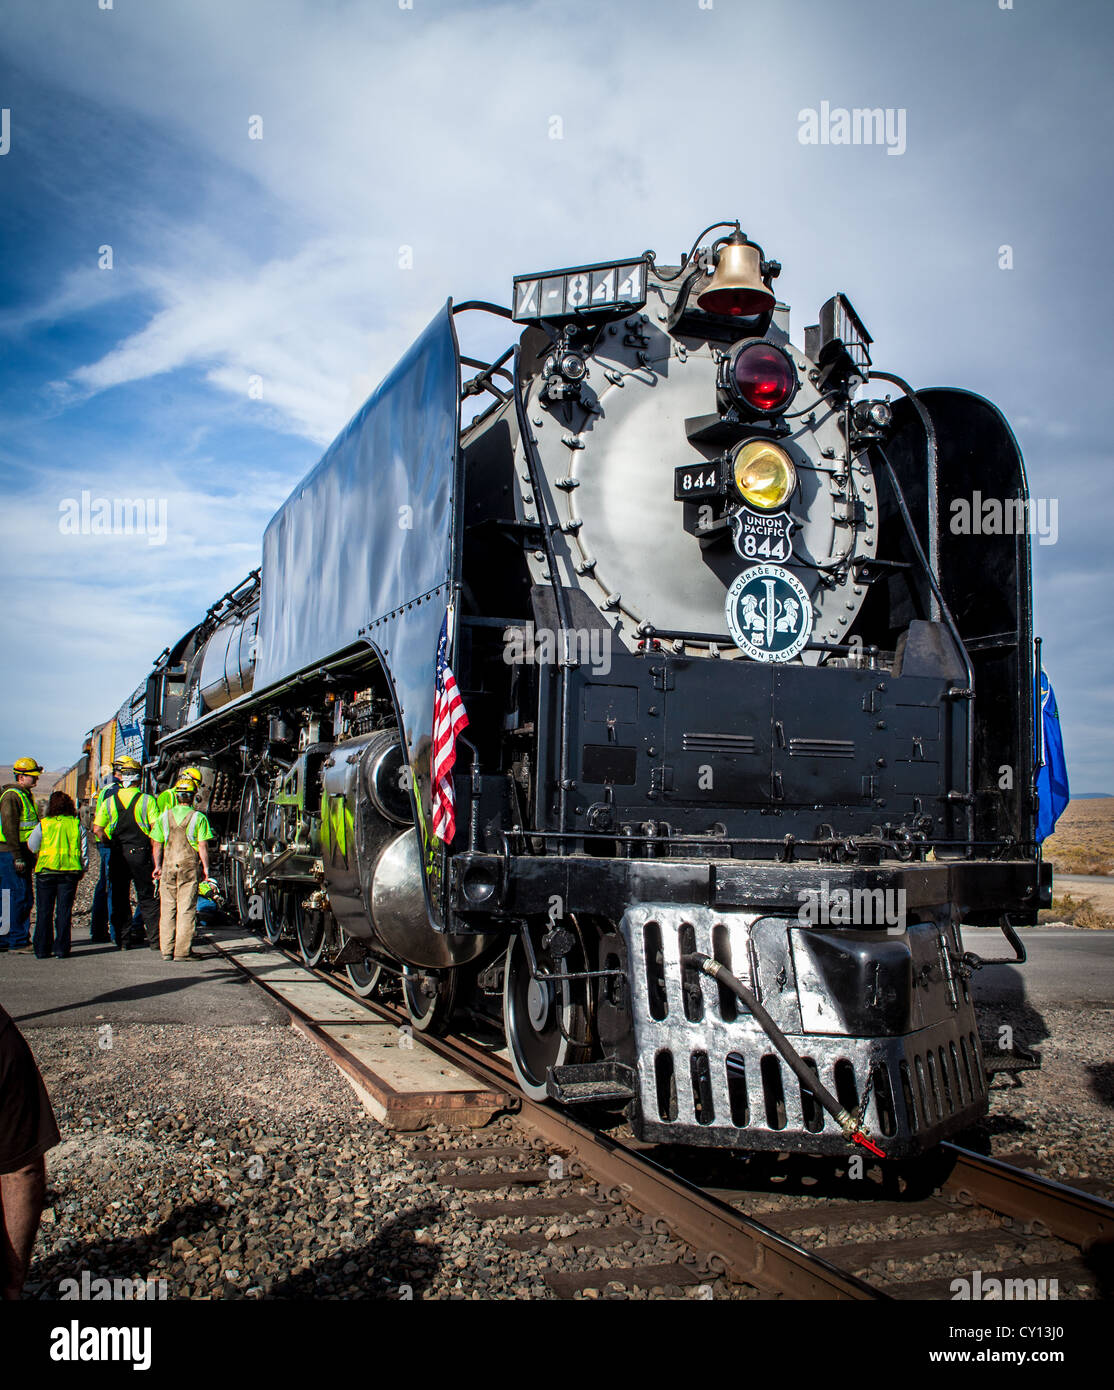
x: 750, y: 730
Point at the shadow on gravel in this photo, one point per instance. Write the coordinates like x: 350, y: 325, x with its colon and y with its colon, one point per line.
x: 130, y: 1258
x: 1100, y: 1261
x: 1000, y: 1001
x: 393, y: 1265
x: 1102, y: 1081
x: 151, y: 990
x: 897, y: 1180
x: 978, y: 1138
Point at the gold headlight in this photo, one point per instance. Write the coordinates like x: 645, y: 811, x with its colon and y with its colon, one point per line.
x: 764, y: 474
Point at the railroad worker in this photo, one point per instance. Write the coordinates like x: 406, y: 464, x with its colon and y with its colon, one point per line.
x: 169, y: 795
x: 18, y: 818
x: 194, y: 773
x: 124, y: 823
x: 102, y: 895
x: 180, y: 837
x: 62, y: 849
x: 27, y: 1131
x: 100, y: 924
x: 208, y: 909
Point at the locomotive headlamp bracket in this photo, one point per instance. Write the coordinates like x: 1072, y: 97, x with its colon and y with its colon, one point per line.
x: 870, y: 421
x: 729, y: 428
x: 840, y: 346
x: 565, y: 370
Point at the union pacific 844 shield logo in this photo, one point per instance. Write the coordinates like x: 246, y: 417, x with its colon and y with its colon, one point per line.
x: 769, y: 614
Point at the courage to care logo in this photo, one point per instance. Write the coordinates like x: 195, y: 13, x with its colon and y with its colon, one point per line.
x: 769, y: 613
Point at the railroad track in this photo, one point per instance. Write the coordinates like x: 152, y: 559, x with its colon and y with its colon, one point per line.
x: 768, y: 1225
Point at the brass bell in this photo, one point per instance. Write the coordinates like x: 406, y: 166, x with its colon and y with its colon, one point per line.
x: 736, y: 288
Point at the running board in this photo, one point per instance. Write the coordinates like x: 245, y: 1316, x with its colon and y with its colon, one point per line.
x: 592, y: 1083
x: 1019, y: 1060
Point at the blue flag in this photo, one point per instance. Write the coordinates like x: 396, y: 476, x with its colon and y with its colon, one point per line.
x: 1053, y: 793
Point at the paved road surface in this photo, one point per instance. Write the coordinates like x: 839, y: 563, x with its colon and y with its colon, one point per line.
x: 98, y: 984
x: 1066, y: 965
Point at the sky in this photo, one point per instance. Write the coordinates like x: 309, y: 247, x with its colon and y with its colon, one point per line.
x: 221, y: 222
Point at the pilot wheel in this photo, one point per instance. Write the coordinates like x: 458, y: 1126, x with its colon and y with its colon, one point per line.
x: 546, y: 1021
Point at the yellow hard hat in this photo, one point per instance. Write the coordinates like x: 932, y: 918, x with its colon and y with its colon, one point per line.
x: 185, y: 784
x: 193, y: 773
x: 28, y: 766
x: 128, y: 762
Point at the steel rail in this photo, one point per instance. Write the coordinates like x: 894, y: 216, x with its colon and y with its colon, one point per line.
x: 1081, y: 1218
x: 731, y: 1243
x: 735, y: 1245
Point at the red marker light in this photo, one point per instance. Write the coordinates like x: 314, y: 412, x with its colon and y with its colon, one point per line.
x: 763, y: 377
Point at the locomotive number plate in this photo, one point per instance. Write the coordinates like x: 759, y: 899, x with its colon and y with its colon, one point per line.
x: 693, y: 482
x: 759, y: 536
x: 582, y: 291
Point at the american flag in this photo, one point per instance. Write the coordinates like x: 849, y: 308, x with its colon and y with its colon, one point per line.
x: 449, y: 718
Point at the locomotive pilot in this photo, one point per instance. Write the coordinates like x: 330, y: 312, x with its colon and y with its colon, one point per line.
x: 180, y: 837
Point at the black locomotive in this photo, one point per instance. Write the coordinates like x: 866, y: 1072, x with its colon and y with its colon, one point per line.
x: 750, y: 728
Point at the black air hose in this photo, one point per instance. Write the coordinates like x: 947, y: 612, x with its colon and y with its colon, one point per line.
x: 847, y: 1122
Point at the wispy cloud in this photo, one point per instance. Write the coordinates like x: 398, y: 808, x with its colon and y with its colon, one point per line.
x: 283, y: 332
x: 258, y: 290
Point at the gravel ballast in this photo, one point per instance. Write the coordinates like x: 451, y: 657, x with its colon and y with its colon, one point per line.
x: 238, y: 1163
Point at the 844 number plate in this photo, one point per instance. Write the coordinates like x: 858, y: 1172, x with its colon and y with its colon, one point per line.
x: 760, y: 536
x: 693, y: 482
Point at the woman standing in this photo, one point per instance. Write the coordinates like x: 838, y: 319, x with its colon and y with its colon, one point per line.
x: 63, y: 856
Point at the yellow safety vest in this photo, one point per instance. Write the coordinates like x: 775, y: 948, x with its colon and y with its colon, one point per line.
x: 28, y: 819
x: 61, y: 847
x: 107, y: 814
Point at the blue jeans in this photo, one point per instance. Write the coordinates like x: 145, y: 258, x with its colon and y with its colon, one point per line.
x: 102, y: 899
x: 54, y: 895
x: 15, y: 907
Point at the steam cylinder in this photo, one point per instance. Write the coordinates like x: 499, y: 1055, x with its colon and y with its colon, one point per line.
x: 373, y: 869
